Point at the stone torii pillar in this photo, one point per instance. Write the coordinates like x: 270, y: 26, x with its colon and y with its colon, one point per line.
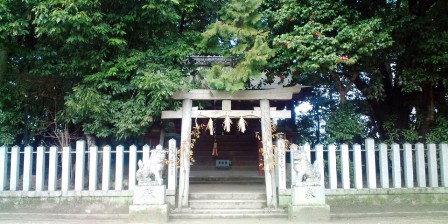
x: 264, y: 112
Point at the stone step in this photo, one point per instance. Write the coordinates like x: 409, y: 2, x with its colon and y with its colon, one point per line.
x: 227, y: 196
x: 207, y: 156
x: 230, y: 150
x: 233, y: 152
x: 227, y: 180
x: 228, y: 213
x: 227, y: 145
x: 227, y: 204
x: 234, y: 163
x: 235, y: 168
x: 241, y: 141
x: 240, y: 150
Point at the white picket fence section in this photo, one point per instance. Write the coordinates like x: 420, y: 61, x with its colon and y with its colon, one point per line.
x: 379, y: 166
x: 355, y: 167
x: 54, y: 169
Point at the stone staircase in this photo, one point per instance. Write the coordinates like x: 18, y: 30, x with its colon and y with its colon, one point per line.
x: 214, y: 205
x: 236, y: 192
x: 222, y: 178
x: 241, y: 150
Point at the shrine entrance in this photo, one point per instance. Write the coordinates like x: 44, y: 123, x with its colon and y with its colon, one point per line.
x: 223, y: 114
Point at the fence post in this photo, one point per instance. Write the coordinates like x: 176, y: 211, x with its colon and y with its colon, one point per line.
x: 40, y: 168
x: 320, y: 162
x: 384, y: 165
x: 370, y: 161
x: 27, y: 168
x: 80, y: 164
x: 307, y: 148
x: 172, y: 157
x: 420, y: 164
x: 93, y: 168
x: 119, y: 163
x: 345, y: 166
x: 408, y: 166
x: 145, y: 157
x: 106, y: 169
x: 15, y: 164
x: 3, y: 167
x: 132, y: 166
x: 396, y: 166
x: 432, y: 166
x: 53, y: 169
x: 444, y: 163
x: 332, y: 172
x: 358, y: 166
x: 281, y: 164
x: 66, y: 165
x: 292, y: 148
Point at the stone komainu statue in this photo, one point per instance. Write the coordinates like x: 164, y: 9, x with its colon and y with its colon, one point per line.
x: 150, y: 173
x: 305, y: 172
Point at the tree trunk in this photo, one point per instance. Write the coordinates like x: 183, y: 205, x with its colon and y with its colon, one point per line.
x: 26, y: 129
x: 3, y: 62
x: 427, y: 108
x: 91, y: 140
x: 391, y: 107
x: 342, y: 97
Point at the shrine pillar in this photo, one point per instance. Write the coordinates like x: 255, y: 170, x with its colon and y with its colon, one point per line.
x: 185, y: 143
x: 268, y: 154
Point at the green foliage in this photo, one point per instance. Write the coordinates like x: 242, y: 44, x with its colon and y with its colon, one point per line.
x: 238, y: 36
x: 127, y: 96
x: 108, y: 67
x: 438, y: 133
x: 345, y: 126
x: 322, y: 36
x: 10, y: 121
x: 395, y: 135
x: 386, y: 50
x: 11, y: 94
x: 11, y: 24
x: 306, y: 129
x: 424, y: 59
x: 410, y: 135
x: 139, y: 50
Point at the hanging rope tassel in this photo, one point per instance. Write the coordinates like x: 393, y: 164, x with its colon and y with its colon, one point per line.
x: 242, y: 125
x: 227, y: 123
x: 210, y: 126
x: 196, y: 132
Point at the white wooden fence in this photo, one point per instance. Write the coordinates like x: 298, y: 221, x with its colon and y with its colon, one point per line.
x: 372, y: 166
x: 54, y: 170
x: 378, y: 166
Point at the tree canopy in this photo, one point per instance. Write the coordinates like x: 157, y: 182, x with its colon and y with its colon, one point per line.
x: 108, y: 68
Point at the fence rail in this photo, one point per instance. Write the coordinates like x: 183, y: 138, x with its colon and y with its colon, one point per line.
x: 344, y: 167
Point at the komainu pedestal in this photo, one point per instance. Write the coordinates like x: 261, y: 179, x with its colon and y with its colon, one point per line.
x: 307, y: 193
x: 149, y: 201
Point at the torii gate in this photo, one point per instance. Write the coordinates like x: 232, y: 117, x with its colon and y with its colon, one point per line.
x: 264, y: 112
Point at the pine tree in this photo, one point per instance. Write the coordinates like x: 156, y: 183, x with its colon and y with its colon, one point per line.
x: 237, y: 35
